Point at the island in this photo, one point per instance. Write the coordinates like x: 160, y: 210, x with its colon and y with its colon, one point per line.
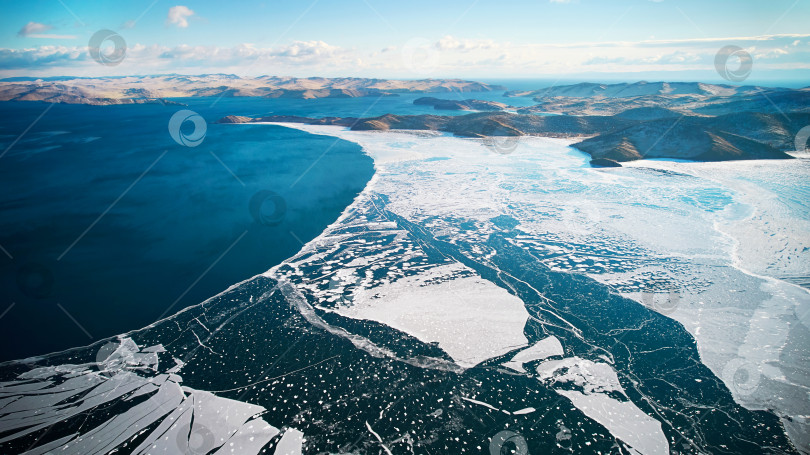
x: 460, y: 105
x: 619, y: 138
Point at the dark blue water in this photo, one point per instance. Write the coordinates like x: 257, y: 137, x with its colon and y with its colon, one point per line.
x: 107, y: 224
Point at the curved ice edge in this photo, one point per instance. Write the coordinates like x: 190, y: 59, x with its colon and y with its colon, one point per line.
x: 269, y: 273
x: 170, y: 403
x: 166, y: 389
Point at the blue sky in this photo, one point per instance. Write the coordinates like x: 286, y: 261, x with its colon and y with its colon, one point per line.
x: 481, y: 39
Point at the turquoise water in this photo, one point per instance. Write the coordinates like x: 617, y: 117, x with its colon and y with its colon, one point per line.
x: 182, y: 233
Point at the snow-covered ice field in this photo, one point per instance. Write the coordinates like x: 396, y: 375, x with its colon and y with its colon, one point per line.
x: 722, y: 248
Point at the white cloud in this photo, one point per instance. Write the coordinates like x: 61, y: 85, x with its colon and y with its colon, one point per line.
x: 178, y: 15
x: 769, y: 53
x: 450, y: 43
x: 42, y: 57
x: 33, y: 28
x: 488, y: 57
x: 305, y: 49
x: 454, y: 57
x: 296, y: 53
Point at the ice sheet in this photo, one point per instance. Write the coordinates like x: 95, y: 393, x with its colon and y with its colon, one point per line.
x: 471, y: 319
x: 547, y: 347
x: 175, y: 419
x: 719, y: 247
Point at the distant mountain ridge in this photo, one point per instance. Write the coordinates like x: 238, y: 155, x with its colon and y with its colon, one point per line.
x: 460, y: 105
x: 133, y: 89
x: 690, y: 98
x: 641, y: 88
x: 620, y: 122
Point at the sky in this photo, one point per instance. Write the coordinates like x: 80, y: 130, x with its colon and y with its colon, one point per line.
x: 483, y: 39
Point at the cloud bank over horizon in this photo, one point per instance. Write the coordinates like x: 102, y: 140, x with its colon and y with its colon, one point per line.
x: 443, y: 57
x: 179, y: 39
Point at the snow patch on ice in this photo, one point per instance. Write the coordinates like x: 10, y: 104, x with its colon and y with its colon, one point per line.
x: 595, y: 390
x: 470, y: 318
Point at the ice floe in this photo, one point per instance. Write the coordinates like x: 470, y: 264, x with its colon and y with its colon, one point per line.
x: 589, y: 385
x: 547, y: 347
x: 133, y: 407
x: 470, y: 318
